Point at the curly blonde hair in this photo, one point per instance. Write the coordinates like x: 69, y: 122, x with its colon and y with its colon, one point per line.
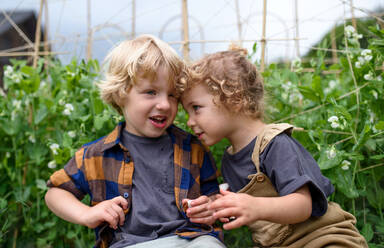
x: 139, y: 58
x: 233, y: 79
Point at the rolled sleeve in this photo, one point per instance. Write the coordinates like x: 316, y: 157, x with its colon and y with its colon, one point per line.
x: 71, y: 178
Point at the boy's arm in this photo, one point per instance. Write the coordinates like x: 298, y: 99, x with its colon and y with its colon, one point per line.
x: 289, y: 209
x: 65, y: 205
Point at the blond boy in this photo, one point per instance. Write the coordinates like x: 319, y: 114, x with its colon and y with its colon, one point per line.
x: 138, y: 175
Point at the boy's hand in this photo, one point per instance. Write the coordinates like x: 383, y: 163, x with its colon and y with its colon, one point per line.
x: 229, y: 205
x: 110, y: 211
x: 198, y: 211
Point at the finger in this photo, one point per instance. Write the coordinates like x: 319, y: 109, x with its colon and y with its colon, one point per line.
x: 224, y: 220
x: 203, y: 214
x: 224, y: 202
x: 197, y: 210
x: 120, y: 213
x: 234, y: 224
x: 207, y: 220
x: 119, y: 200
x: 114, y: 217
x: 110, y: 219
x: 225, y: 192
x: 226, y: 213
x: 199, y: 201
x: 218, y: 196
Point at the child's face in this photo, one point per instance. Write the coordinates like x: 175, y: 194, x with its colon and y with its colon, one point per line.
x: 208, y: 121
x: 150, y: 107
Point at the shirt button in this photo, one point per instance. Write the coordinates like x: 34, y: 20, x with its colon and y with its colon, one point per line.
x: 126, y: 195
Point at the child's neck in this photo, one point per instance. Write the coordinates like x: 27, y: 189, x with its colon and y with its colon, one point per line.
x: 247, y: 130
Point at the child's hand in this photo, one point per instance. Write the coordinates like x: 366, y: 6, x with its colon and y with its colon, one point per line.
x: 110, y: 211
x: 229, y: 205
x: 198, y: 211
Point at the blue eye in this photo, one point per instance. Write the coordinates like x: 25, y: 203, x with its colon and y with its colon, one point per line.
x: 196, y: 107
x: 151, y: 92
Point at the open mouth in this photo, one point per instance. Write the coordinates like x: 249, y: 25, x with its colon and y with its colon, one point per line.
x: 158, y: 121
x: 199, y: 135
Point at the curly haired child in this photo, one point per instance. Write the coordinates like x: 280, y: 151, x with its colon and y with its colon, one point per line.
x: 276, y: 187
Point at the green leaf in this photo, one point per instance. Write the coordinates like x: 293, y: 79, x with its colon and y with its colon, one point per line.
x: 367, y: 232
x: 379, y: 156
x: 41, y: 184
x: 309, y: 93
x: 380, y: 125
x: 41, y: 113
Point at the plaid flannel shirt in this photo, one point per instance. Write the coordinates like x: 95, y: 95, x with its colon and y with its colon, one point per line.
x: 104, y: 169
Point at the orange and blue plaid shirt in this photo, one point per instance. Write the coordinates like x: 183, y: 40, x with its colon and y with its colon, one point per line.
x: 104, y: 169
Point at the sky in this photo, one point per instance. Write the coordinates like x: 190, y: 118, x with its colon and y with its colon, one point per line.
x: 212, y: 20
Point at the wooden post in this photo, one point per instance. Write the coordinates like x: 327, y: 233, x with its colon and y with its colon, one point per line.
x: 37, y: 35
x: 133, y: 19
x: 185, y: 30
x: 353, y: 15
x: 89, y: 30
x: 46, y: 26
x: 334, y: 45
x: 239, y: 27
x: 263, y: 40
x: 297, y: 45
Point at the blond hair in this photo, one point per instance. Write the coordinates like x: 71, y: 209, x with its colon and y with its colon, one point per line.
x: 233, y: 79
x: 138, y: 58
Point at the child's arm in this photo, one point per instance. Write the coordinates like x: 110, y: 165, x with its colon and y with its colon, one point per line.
x: 65, y: 205
x: 198, y: 212
x: 289, y: 209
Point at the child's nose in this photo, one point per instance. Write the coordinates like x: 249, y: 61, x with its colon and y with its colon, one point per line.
x: 190, y: 122
x: 163, y: 103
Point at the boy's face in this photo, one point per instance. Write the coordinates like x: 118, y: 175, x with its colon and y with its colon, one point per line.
x: 208, y: 121
x: 150, y: 107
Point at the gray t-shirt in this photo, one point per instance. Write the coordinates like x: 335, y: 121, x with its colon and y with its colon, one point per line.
x: 153, y: 212
x: 287, y: 164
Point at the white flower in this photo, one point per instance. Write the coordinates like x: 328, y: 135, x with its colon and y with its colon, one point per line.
x: 361, y: 60
x: 357, y: 64
x: 368, y: 57
x: 333, y: 118
x: 331, y: 153
x: 15, y: 78
x: 335, y: 124
x: 345, y: 164
x: 332, y: 84
x: 68, y: 109
x: 32, y: 139
x: 16, y: 104
x: 66, y: 112
x: 349, y: 30
x: 2, y: 93
x: 8, y: 71
x: 72, y: 134
x: 8, y: 154
x: 374, y: 94
x: 62, y: 102
x: 54, y: 147
x: 368, y: 76
x: 52, y: 164
x: 379, y: 78
x: 69, y: 106
x: 366, y: 52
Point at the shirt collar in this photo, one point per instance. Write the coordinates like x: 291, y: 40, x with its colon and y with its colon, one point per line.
x: 114, y: 137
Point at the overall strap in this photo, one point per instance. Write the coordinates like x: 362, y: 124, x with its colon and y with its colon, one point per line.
x: 267, y: 134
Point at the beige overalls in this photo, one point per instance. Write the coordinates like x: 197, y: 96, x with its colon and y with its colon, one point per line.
x: 335, y: 229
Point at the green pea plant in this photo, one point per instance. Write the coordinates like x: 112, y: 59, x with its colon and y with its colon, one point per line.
x: 338, y: 110
x: 46, y: 114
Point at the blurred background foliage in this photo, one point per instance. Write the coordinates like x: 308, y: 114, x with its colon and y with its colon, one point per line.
x: 48, y: 112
